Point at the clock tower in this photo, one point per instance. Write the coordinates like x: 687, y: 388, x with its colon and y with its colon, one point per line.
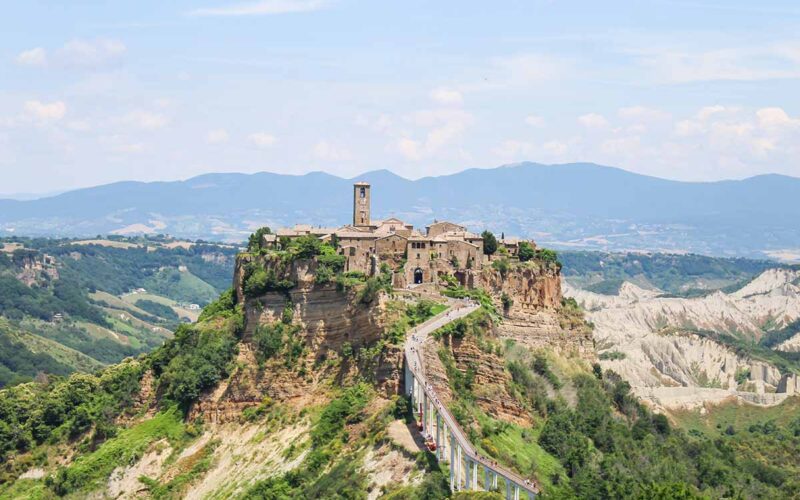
x: 361, y: 204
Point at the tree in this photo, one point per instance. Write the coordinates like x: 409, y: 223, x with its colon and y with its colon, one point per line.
x: 254, y: 242
x: 526, y: 251
x: 489, y: 243
x: 307, y: 246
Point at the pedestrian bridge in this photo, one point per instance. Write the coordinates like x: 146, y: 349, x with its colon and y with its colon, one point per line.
x: 468, y: 469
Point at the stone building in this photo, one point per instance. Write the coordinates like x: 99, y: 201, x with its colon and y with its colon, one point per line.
x: 413, y: 257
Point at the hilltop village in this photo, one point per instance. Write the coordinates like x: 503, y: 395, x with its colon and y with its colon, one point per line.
x: 445, y: 248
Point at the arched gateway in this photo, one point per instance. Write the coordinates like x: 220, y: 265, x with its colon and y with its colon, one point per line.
x: 417, y: 276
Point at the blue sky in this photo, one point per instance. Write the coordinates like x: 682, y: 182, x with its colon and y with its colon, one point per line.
x: 94, y: 92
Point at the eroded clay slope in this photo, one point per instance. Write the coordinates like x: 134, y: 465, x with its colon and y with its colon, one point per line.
x: 664, y: 348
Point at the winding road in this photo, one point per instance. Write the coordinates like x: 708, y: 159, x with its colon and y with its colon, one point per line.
x: 435, y: 416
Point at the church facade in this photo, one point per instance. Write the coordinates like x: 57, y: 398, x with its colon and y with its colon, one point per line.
x: 415, y: 257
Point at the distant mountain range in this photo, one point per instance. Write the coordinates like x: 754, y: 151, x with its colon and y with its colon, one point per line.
x: 579, y: 205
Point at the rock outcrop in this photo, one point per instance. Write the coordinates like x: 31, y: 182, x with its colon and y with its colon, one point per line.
x: 328, y: 322
x: 534, y: 317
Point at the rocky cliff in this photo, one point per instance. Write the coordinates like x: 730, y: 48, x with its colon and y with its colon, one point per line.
x: 536, y: 316
x: 330, y: 329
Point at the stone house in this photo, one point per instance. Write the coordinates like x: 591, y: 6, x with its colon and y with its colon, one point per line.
x: 414, y: 257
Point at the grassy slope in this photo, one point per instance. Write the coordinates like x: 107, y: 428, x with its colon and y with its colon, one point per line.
x: 738, y: 415
x: 181, y: 286
x: 76, y: 360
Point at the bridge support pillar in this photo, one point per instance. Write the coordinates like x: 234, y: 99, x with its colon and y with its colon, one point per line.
x: 475, y: 480
x: 409, y: 380
x: 486, y: 481
x: 508, y: 489
x: 494, y: 480
x: 438, y: 441
x: 469, y: 475
x: 458, y: 468
x: 452, y: 462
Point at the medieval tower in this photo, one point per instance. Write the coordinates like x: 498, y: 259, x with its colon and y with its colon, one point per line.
x: 361, y: 204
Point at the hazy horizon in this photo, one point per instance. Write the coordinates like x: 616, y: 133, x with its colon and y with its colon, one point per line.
x: 34, y: 195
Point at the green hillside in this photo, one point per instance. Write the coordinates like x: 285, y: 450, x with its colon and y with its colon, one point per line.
x: 24, y: 355
x: 64, y: 297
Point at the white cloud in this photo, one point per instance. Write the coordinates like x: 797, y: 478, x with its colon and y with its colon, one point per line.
x: 328, y: 151
x: 707, y: 112
x: 32, y: 57
x: 555, y: 148
x: 593, y: 120
x: 90, y: 53
x: 46, y: 112
x: 447, y: 97
x: 751, y: 63
x: 263, y: 7
x: 146, y: 120
x: 409, y: 148
x: 441, y: 127
x: 688, y: 127
x: 262, y: 139
x: 534, y: 121
x: 217, y: 136
x: 775, y: 117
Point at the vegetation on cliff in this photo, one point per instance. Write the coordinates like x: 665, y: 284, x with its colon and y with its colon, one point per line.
x: 589, y: 437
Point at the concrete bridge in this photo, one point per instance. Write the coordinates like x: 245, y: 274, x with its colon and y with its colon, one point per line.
x: 468, y: 469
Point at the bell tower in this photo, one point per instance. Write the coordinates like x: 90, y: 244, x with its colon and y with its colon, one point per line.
x: 361, y: 202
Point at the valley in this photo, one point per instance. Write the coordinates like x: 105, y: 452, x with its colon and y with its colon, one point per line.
x: 293, y: 381
x: 76, y: 305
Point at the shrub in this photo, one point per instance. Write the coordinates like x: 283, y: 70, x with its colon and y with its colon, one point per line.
x: 546, y: 255
x: 612, y: 355
x: 507, y: 301
x: 345, y: 409
x: 194, y: 360
x: 306, y: 247
x: 259, y: 281
x: 224, y: 306
x: 502, y: 266
x: 542, y: 367
x: 526, y: 251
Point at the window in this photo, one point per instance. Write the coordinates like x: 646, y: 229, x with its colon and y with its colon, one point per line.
x: 352, y: 251
x: 363, y: 192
